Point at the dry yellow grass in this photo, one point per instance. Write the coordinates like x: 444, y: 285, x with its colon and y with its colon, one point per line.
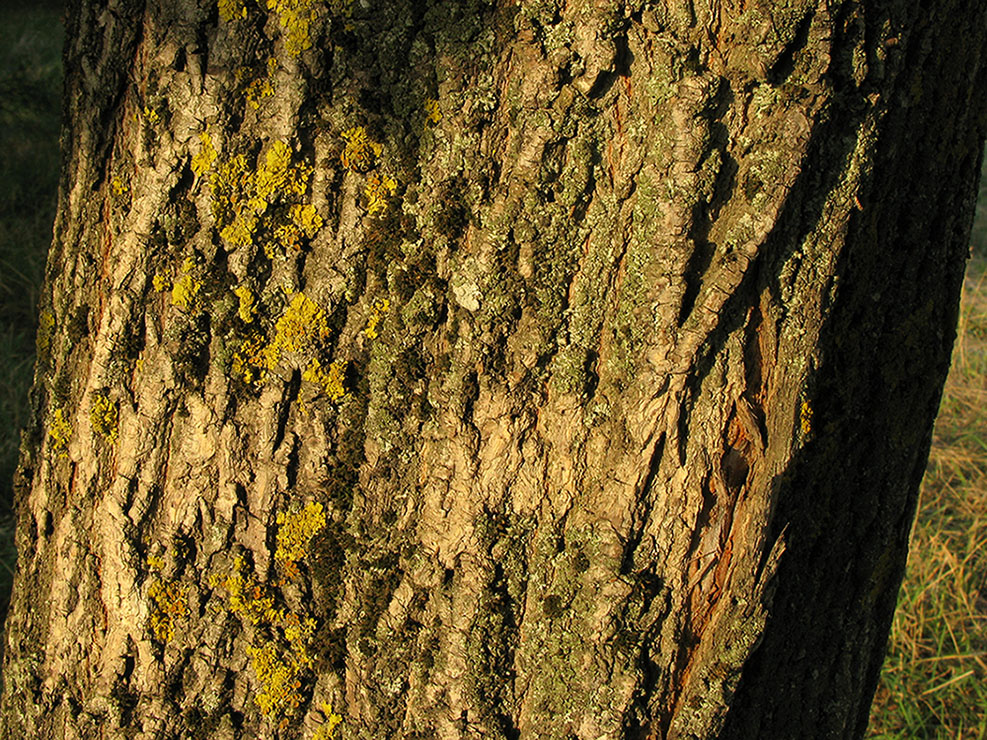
x: 934, y: 683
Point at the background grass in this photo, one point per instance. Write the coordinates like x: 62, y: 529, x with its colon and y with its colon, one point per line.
x: 934, y: 683
x: 30, y: 100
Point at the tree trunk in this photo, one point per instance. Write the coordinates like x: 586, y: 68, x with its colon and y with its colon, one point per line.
x: 451, y: 369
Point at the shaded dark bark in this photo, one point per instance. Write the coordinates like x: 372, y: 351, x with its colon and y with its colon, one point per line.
x: 454, y: 369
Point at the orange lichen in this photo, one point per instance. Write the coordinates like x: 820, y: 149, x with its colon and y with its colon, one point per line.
x: 169, y: 600
x: 361, y: 152
x: 378, y: 190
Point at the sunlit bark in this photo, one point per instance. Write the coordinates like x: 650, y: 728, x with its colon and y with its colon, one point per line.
x: 449, y: 370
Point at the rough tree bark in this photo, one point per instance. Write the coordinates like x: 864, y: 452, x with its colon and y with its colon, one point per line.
x: 458, y: 369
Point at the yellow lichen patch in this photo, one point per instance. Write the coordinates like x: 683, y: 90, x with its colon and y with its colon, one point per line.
x: 298, y: 333
x: 46, y: 329
x: 60, y: 431
x: 299, y: 330
x: 103, y: 416
x: 246, y: 597
x: 333, y: 380
x: 361, y: 152
x: 119, y: 187
x: 160, y: 283
x: 257, y: 90
x: 168, y: 605
x: 232, y: 203
x: 286, y: 237
x: 186, y: 288
x: 278, y: 676
x: 380, y: 307
x: 278, y: 177
x: 306, y: 218
x: 151, y: 116
x: 262, y: 87
x: 231, y: 9
x: 295, y: 531
x: 379, y: 188
x: 249, y: 362
x: 432, y: 112
x: 303, y: 221
x: 281, y: 655
x: 295, y: 18
x: 203, y: 161
x: 327, y: 730
x: 278, y: 668
x: 248, y: 306
x: 240, y: 197
x: 805, y: 418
